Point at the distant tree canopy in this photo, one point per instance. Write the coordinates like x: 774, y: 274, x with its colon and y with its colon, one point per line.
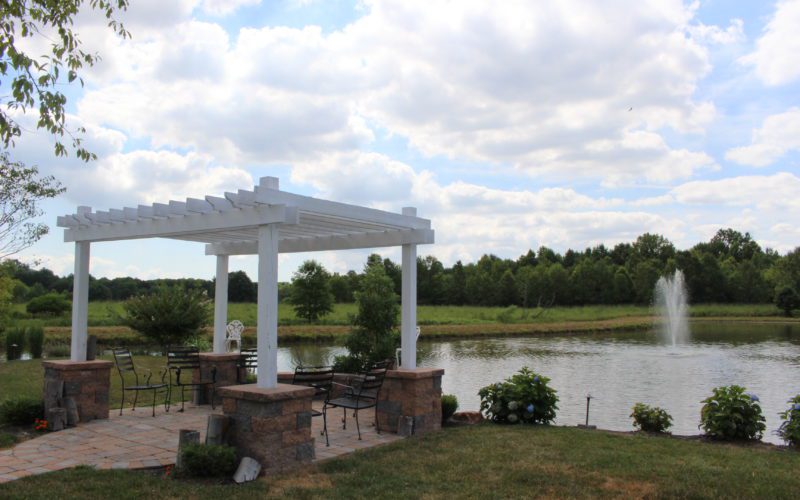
x: 311, y: 291
x: 731, y: 267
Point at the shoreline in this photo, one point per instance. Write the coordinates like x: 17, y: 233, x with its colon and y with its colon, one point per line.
x: 325, y: 333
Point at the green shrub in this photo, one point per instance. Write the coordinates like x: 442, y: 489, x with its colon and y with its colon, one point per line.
x: 15, y: 343
x: 59, y: 350
x: 449, y: 406
x: 208, y: 460
x: 170, y: 315
x: 35, y: 341
x: 50, y: 304
x: 507, y: 315
x: 347, y: 364
x: 650, y: 418
x: 21, y: 411
x: 523, y: 398
x: 789, y: 430
x: 730, y: 414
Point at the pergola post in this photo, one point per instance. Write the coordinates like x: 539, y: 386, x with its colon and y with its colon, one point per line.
x: 408, y: 323
x: 80, y: 302
x: 220, y: 304
x: 267, y: 328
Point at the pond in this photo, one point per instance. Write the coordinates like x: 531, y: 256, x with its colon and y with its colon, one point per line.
x: 619, y: 369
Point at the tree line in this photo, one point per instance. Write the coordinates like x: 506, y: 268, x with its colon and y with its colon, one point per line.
x: 730, y: 267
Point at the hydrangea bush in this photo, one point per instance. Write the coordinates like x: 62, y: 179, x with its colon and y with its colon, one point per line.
x: 525, y: 397
x: 650, y: 418
x: 789, y: 430
x: 731, y: 413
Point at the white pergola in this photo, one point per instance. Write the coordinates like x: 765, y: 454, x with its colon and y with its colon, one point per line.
x: 264, y: 221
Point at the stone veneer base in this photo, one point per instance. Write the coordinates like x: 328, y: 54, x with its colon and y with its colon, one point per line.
x: 86, y: 382
x: 273, y: 426
x: 413, y: 393
x: 227, y: 374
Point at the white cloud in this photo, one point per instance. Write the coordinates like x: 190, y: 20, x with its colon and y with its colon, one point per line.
x: 778, y: 134
x: 775, y: 57
x: 226, y: 7
x: 777, y: 191
x: 537, y: 87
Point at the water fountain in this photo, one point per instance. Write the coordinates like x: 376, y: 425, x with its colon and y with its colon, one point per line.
x: 670, y: 299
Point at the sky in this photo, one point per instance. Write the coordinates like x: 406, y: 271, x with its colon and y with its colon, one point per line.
x: 510, y: 125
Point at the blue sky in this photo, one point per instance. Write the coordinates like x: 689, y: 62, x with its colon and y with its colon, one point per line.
x: 510, y: 125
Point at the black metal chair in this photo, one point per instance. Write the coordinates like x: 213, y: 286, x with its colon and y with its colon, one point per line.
x: 124, y: 363
x: 321, y: 379
x: 248, y: 363
x: 187, y: 359
x: 360, y: 395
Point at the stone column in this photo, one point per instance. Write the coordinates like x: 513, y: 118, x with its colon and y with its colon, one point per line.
x: 413, y: 393
x: 86, y: 382
x: 227, y: 371
x: 272, y: 425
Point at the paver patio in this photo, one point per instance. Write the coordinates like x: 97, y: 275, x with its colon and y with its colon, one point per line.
x: 136, y: 440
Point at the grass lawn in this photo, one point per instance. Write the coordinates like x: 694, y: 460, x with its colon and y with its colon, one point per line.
x: 486, y: 461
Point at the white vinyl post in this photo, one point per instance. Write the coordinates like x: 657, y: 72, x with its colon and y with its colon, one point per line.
x: 267, y: 328
x: 80, y: 302
x: 408, y: 323
x: 221, y: 304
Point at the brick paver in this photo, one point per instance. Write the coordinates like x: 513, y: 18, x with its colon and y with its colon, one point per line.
x: 136, y: 440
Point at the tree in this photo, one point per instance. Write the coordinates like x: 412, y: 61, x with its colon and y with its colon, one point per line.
x: 21, y: 189
x: 374, y: 335
x: 787, y: 299
x: 37, y: 81
x: 508, y: 292
x: 651, y: 246
x: 311, y: 291
x: 240, y: 287
x: 170, y: 315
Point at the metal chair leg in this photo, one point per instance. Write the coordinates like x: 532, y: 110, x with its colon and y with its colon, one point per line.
x: 344, y: 418
x: 377, y: 425
x: 183, y: 399
x: 154, y: 401
x: 325, y: 425
x: 135, y: 399
x: 358, y: 428
x: 168, y: 398
x: 122, y: 404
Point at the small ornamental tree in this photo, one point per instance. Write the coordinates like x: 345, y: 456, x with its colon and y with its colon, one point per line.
x: 374, y: 335
x: 787, y: 299
x: 170, y: 315
x: 311, y: 291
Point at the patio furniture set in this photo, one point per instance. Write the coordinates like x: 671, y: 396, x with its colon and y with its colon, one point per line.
x: 359, y: 393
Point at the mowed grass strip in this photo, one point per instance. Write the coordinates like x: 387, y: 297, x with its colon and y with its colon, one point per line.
x: 108, y: 314
x: 486, y: 461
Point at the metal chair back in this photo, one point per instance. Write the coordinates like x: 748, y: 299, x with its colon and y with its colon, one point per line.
x: 373, y: 380
x: 318, y: 377
x: 183, y: 357
x: 124, y: 363
x: 248, y: 362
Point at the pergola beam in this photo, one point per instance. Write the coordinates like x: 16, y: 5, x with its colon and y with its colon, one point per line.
x: 319, y: 244
x: 183, y: 225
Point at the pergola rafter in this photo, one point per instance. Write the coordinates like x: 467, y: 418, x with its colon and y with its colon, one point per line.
x: 264, y: 221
